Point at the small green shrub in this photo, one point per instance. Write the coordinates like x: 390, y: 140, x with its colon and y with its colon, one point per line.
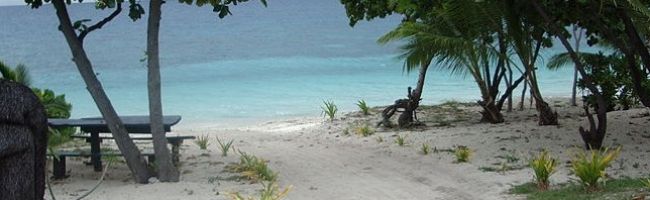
x: 225, y: 147
x: 400, y: 140
x: 590, y: 167
x: 544, y: 166
x: 202, y: 141
x: 364, y: 130
x: 363, y: 107
x: 271, y: 191
x: 329, y: 109
x: 380, y: 139
x: 463, y: 154
x: 425, y: 149
x: 253, y: 168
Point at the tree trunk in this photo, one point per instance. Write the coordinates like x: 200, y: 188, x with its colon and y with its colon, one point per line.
x: 406, y: 118
x: 134, y: 159
x: 636, y: 44
x: 593, y: 137
x: 546, y: 115
x: 167, y: 172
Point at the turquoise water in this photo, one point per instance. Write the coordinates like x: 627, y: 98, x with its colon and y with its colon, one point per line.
x: 260, y: 64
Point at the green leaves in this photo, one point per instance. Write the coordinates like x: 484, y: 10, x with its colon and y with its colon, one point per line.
x: 221, y: 7
x: 135, y: 10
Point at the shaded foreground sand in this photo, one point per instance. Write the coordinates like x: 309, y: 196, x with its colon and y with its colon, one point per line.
x: 320, y: 162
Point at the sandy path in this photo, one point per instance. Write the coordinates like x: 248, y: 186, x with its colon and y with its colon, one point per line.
x: 327, y: 168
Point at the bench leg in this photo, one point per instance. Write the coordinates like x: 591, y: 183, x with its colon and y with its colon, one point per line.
x: 95, y: 151
x: 175, y: 151
x: 151, y: 159
x: 58, y: 167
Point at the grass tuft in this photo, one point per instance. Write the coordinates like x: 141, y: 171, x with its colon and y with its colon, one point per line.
x: 225, y: 147
x: 364, y: 130
x: 425, y: 149
x: 462, y: 154
x: 363, y: 107
x: 253, y: 168
x: 590, y: 167
x: 202, y: 141
x: 544, y: 166
x: 270, y: 191
x: 329, y: 109
x: 400, y: 140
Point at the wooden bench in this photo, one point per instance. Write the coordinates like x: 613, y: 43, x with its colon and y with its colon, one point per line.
x: 59, y: 168
x: 134, y: 125
x: 59, y: 165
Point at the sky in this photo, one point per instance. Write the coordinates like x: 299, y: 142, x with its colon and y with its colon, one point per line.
x: 21, y: 2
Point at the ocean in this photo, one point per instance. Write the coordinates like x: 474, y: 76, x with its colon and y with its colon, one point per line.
x: 262, y: 63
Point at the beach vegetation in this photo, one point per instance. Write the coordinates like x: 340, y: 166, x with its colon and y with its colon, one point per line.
x: 463, y: 154
x: 364, y: 130
x: 224, y: 146
x: 624, y: 188
x: 346, y: 131
x: 400, y: 140
x: 379, y: 139
x: 425, y: 149
x: 202, y: 141
x: 646, y: 183
x: 329, y: 109
x: 590, y: 166
x: 543, y: 166
x: 363, y: 107
x: 253, y: 168
x: 270, y: 191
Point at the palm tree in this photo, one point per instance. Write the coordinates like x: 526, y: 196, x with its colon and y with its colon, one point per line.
x: 19, y: 74
x: 527, y: 40
x: 457, y: 36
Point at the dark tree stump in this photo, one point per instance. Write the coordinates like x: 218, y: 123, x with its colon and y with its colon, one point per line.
x: 23, y: 142
x: 408, y: 116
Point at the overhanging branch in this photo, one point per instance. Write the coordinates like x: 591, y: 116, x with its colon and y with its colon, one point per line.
x: 99, y: 24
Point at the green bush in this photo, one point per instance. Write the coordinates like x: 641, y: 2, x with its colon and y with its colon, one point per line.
x: 425, y: 149
x: 590, y: 167
x: 544, y: 166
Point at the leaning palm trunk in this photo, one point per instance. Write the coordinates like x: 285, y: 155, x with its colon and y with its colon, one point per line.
x: 134, y: 159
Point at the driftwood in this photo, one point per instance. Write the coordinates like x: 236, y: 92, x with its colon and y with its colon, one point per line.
x: 406, y: 106
x: 23, y: 142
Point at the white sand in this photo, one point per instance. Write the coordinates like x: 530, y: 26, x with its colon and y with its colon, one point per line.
x: 321, y: 163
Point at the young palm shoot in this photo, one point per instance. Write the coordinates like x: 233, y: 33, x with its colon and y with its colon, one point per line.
x: 329, y: 109
x: 463, y: 154
x: 363, y: 107
x: 400, y: 140
x: 590, y: 167
x: 544, y: 166
x: 225, y: 147
x: 425, y: 149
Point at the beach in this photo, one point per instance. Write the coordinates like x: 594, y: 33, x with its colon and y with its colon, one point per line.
x: 317, y: 160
